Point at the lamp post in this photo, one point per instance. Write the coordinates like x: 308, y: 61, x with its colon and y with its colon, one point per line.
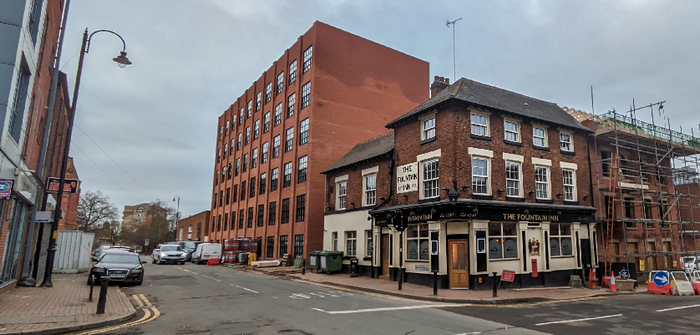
x: 177, y: 213
x: 122, y: 61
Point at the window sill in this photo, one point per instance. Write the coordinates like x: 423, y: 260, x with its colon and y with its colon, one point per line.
x: 479, y: 137
x: 569, y: 153
x: 540, y: 148
x: 503, y: 259
x: 432, y: 139
x: 515, y: 199
x: 563, y: 256
x: 517, y: 144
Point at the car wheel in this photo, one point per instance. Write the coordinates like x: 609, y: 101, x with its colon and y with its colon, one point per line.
x: 138, y: 283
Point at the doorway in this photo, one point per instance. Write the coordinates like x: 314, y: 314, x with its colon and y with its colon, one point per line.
x: 386, y: 254
x: 458, y: 260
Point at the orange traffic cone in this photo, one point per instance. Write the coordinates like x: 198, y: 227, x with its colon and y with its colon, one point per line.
x: 613, y: 287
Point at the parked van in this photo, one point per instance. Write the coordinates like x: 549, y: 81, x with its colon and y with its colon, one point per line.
x: 205, y: 251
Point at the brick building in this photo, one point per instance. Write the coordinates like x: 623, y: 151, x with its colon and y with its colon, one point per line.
x: 480, y: 178
x: 194, y: 227
x: 327, y: 92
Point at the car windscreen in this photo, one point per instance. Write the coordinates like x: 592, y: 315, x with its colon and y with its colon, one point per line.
x: 170, y: 247
x: 120, y: 258
x: 190, y: 245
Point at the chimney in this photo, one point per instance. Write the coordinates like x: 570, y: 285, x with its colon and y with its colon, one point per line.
x: 439, y: 84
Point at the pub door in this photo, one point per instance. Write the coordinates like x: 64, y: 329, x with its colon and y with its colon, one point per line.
x: 386, y: 254
x: 458, y: 260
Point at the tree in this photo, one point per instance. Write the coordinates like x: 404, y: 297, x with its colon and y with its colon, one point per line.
x: 157, y: 226
x: 111, y: 231
x: 94, y: 208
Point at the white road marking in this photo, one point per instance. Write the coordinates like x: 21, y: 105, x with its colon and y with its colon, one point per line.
x: 385, y: 309
x: 214, y: 279
x: 299, y: 296
x: 317, y: 295
x: 330, y: 294
x: 243, y: 288
x: 579, y: 320
x: 190, y: 271
x: 676, y: 308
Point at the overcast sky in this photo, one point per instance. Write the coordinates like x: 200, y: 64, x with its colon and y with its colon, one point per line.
x: 148, y: 131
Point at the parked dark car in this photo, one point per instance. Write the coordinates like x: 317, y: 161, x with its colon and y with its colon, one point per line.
x: 120, y: 266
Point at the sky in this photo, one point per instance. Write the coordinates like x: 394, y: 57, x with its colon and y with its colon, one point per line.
x: 147, y: 132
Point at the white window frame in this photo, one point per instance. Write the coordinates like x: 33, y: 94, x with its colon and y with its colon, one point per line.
x: 368, y: 243
x: 278, y: 114
x: 258, y: 101
x: 427, y: 127
x: 487, y: 175
x: 543, y: 137
x: 250, y: 109
x: 519, y: 180
x: 351, y: 243
x: 305, y: 95
x: 369, y: 195
x: 434, y: 189
x: 558, y: 238
x: 564, y: 145
x: 418, y: 234
x: 341, y: 192
x: 570, y: 186
x: 543, y: 185
x: 334, y: 241
x: 507, y: 131
x: 307, y: 58
x: 265, y: 152
x: 485, y: 126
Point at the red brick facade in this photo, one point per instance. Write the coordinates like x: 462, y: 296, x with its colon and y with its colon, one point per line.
x: 193, y: 228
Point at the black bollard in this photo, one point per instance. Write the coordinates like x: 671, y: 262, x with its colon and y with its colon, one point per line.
x: 434, y: 282
x: 400, y: 279
x: 495, y: 285
x: 303, y: 266
x: 92, y: 285
x: 104, y: 283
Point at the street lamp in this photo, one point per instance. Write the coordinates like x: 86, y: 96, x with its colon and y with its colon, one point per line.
x: 177, y: 212
x: 122, y: 61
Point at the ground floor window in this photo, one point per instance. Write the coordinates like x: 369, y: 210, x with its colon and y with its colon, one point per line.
x: 298, y: 245
x: 270, y: 246
x: 560, y: 239
x: 283, y: 245
x: 503, y: 240
x: 351, y: 243
x: 417, y: 242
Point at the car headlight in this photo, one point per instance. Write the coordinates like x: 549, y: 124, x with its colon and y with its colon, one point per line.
x: 98, y: 270
x: 184, y: 254
x: 139, y: 270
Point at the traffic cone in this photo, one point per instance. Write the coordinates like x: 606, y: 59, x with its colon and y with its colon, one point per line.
x: 613, y: 287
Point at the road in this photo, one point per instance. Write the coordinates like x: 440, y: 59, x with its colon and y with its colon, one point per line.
x: 200, y: 299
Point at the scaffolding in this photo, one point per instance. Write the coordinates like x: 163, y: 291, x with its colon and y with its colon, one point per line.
x: 646, y: 188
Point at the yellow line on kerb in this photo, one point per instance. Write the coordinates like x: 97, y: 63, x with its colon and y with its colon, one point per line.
x: 150, y: 314
x: 138, y: 301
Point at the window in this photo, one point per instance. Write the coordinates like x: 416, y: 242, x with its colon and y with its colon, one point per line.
x: 274, y: 176
x: 240, y: 116
x: 249, y: 111
x: 256, y: 129
x: 221, y: 133
x: 605, y: 158
x: 513, y: 179
x: 541, y: 182
x: 560, y: 239
x: 291, y: 100
x: 228, y: 195
x: 284, y: 239
x: 428, y: 128
x: 252, y: 188
x: 240, y: 141
x: 270, y: 246
x: 258, y: 101
x: 289, y: 140
x: 566, y: 143
x: 511, y: 130
x: 272, y: 213
x: 250, y: 217
x: 417, y: 242
x: 18, y: 103
x: 285, y: 211
x: 254, y: 160
x: 480, y: 126
x: 231, y: 147
x: 503, y: 240
x: 268, y: 92
x: 298, y: 245
x: 370, y: 189
x: 431, y: 180
x: 264, y: 152
x: 292, y: 72
x: 221, y: 198
x: 569, y: 185
x: 334, y: 240
x: 276, y: 146
x: 351, y: 243
x: 261, y: 215
x: 287, y: 175
x: 218, y: 155
x: 263, y: 183
x: 341, y: 193
x: 301, y: 207
x: 539, y: 137
x: 266, y: 123
x: 247, y: 135
x: 280, y: 82
x: 243, y: 190
x: 245, y: 162
x: 218, y: 223
x: 235, y: 193
x: 241, y: 219
x: 368, y: 243
x: 225, y: 221
x: 307, y: 59
x: 214, y: 200
x: 278, y: 114
x: 238, y: 166
x: 480, y: 176
x: 233, y: 121
x: 646, y: 204
x: 304, y: 131
x: 305, y: 95
x: 301, y: 173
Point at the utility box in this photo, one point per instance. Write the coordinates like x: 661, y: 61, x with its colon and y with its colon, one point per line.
x: 314, y: 262
x: 331, y: 261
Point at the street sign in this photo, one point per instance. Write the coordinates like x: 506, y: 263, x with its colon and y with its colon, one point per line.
x: 69, y: 185
x: 661, y: 278
x: 508, y: 276
x: 146, y: 241
x: 43, y: 216
x: 5, y: 188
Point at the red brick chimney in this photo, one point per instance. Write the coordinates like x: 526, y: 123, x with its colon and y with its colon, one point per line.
x: 439, y: 84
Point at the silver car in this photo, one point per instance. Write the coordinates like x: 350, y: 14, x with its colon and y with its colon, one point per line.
x: 169, y: 253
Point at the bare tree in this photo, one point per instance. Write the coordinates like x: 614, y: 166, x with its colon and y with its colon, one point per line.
x: 94, y: 208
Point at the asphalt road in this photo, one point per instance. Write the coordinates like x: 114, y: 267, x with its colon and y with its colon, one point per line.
x: 200, y: 299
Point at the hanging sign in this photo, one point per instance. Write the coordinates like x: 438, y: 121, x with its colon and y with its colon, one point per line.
x: 69, y: 185
x: 5, y: 188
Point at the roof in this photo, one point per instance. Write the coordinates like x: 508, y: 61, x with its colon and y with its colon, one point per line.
x: 483, y: 95
x: 363, y: 151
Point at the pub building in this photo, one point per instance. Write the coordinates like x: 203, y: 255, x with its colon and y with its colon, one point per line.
x: 482, y: 181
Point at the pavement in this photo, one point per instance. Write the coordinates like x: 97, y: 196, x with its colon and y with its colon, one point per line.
x: 66, y: 308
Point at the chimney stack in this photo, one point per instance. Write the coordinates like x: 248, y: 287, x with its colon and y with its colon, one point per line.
x: 439, y: 84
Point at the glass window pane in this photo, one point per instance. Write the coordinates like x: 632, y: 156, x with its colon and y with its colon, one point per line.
x: 510, y: 248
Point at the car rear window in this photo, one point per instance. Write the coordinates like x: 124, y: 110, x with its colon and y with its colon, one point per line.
x: 170, y: 247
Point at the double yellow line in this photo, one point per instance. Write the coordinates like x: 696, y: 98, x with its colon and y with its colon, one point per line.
x: 150, y: 313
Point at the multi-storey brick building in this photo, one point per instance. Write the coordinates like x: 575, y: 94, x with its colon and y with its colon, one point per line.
x: 194, y: 227
x: 482, y: 180
x: 329, y: 91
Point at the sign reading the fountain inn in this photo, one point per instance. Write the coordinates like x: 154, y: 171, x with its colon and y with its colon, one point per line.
x: 407, y: 178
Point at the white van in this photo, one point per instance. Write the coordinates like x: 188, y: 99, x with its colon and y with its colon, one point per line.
x: 205, y: 251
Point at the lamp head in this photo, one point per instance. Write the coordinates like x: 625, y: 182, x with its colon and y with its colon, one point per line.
x: 122, y: 60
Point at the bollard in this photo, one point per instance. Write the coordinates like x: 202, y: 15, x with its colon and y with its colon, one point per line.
x: 434, y: 282
x: 495, y: 285
x: 303, y: 266
x: 92, y: 285
x: 400, y: 279
x: 104, y: 283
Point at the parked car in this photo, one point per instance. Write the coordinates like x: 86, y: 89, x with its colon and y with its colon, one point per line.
x: 206, y: 251
x: 98, y: 252
x: 169, y: 253
x: 120, y: 266
x: 190, y: 247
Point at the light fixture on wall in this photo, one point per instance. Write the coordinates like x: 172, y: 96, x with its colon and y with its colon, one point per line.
x: 526, y: 212
x: 559, y: 195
